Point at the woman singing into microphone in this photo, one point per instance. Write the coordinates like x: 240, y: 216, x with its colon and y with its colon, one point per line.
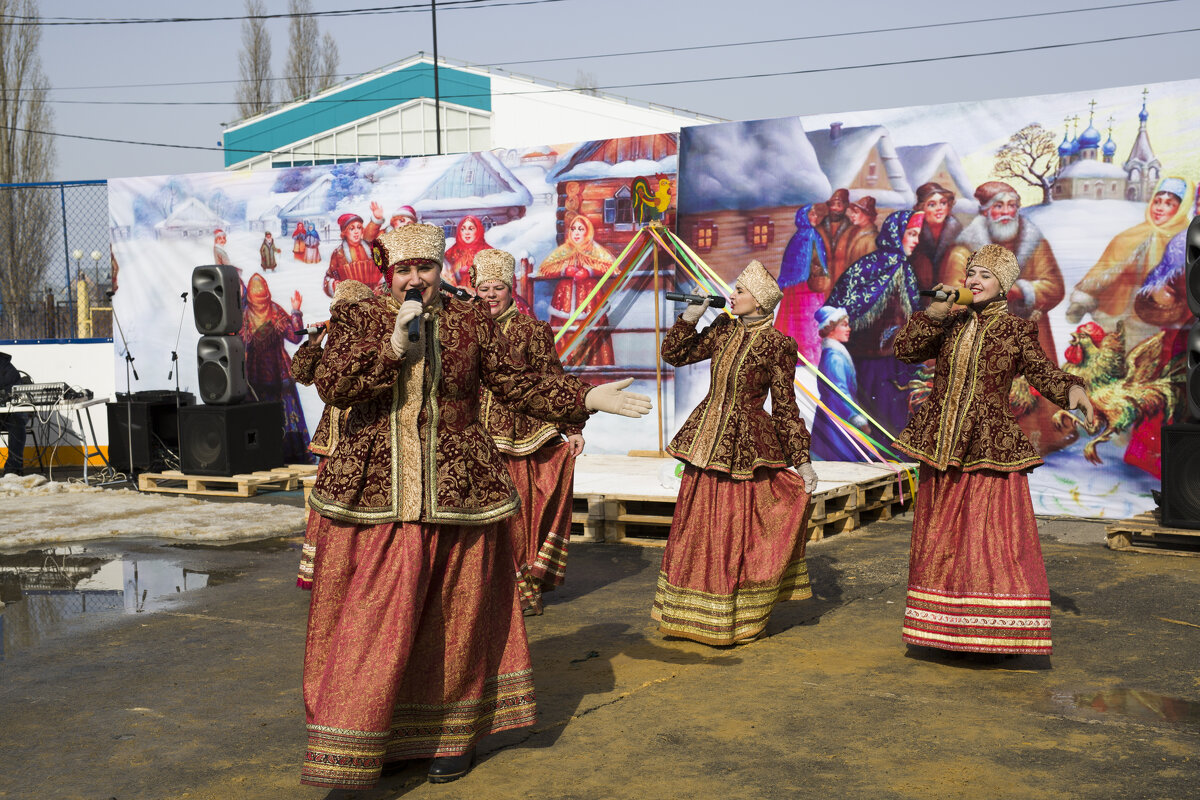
x: 540, y: 463
x: 416, y: 646
x: 736, y: 546
x: 976, y: 580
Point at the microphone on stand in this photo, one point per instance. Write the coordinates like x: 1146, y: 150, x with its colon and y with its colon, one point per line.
x: 962, y: 297
x: 414, y: 325
x: 697, y: 299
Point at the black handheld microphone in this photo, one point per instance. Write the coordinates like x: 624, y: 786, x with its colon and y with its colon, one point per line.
x: 962, y: 297
x: 414, y: 325
x: 311, y: 330
x: 697, y: 299
x: 457, y: 291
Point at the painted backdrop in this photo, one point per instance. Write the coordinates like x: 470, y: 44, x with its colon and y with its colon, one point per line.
x: 565, y: 211
x: 1090, y: 190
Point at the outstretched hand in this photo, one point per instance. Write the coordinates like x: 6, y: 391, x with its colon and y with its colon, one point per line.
x: 1078, y: 398
x: 612, y: 398
x: 297, y: 301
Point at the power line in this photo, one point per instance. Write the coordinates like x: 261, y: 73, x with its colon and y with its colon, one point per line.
x: 660, y: 51
x: 682, y: 81
x: 19, y: 21
x: 981, y: 54
x: 837, y: 35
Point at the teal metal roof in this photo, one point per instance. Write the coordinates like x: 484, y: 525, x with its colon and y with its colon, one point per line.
x: 340, y: 107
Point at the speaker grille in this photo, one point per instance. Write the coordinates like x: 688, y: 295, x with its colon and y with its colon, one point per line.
x: 1181, y: 476
x: 214, y: 381
x: 208, y: 310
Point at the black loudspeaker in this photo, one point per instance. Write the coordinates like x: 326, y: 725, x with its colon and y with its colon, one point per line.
x: 1192, y: 387
x: 152, y: 419
x: 1192, y: 266
x: 1180, y: 500
x: 217, y: 299
x: 221, y: 368
x: 231, y: 440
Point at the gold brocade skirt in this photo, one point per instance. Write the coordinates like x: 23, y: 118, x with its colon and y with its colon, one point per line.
x: 976, y: 579
x: 416, y: 647
x: 736, y: 548
x: 541, y: 530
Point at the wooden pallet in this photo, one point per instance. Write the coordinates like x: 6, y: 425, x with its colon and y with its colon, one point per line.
x: 639, y: 519
x: 587, y: 518
x: 1145, y: 533
x: 281, y: 479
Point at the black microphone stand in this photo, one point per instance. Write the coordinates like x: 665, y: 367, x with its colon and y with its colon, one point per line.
x: 175, y: 371
x: 128, y: 397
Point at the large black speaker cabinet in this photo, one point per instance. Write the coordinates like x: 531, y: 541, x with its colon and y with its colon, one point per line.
x: 217, y: 299
x: 151, y: 418
x: 1191, y: 255
x: 1180, y: 500
x: 221, y: 369
x: 231, y: 440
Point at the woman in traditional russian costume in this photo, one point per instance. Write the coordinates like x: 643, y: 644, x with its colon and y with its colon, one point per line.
x: 736, y: 546
x: 540, y: 463
x: 976, y: 579
x: 416, y: 645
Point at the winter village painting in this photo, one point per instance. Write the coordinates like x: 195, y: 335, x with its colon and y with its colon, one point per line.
x: 565, y: 211
x: 1091, y: 191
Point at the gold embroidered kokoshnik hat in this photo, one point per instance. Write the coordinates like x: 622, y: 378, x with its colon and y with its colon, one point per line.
x: 762, y: 285
x: 492, y: 265
x: 999, y: 261
x: 411, y: 244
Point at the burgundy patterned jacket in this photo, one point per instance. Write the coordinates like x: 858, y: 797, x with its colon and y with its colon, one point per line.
x: 515, y: 433
x: 304, y: 369
x: 966, y: 423
x: 413, y: 447
x: 730, y: 431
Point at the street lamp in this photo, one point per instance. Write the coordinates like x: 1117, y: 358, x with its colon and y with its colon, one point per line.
x: 96, y: 265
x: 77, y: 254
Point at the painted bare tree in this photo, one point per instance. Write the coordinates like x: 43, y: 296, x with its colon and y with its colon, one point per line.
x: 255, y: 92
x: 1029, y: 155
x: 26, y: 156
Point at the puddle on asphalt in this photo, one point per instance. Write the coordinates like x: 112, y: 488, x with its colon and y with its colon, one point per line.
x: 47, y: 593
x: 1128, y: 703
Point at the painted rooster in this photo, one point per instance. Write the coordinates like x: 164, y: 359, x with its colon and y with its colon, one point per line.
x: 1124, y: 388
x: 649, y: 205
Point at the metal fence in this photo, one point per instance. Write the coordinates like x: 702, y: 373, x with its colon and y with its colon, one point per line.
x: 56, y: 264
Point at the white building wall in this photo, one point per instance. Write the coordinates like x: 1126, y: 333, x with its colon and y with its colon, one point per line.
x: 81, y: 366
x: 526, y: 114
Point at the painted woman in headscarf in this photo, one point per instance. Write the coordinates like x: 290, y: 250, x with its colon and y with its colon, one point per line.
x: 1107, y: 290
x: 312, y: 244
x: 804, y: 257
x: 468, y: 240
x: 265, y: 326
x: 838, y: 391
x: 579, y: 263
x: 879, y: 292
x: 298, y: 241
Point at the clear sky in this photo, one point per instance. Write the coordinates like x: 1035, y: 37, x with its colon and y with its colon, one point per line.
x: 185, y: 73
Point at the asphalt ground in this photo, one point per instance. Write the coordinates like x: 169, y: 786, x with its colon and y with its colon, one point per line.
x: 200, y: 698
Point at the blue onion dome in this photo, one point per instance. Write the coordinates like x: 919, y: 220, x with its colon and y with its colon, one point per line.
x: 1110, y: 147
x: 1143, y: 115
x: 1068, y: 148
x: 1089, y: 138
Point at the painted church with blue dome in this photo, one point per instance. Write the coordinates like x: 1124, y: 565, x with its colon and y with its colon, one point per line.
x: 1086, y: 170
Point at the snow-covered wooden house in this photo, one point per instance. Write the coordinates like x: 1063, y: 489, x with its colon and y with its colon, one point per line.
x: 189, y: 219
x: 476, y: 185
x: 863, y: 160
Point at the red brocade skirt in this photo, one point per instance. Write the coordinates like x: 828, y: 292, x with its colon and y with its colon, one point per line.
x: 541, y: 530
x: 736, y: 548
x: 416, y: 647
x: 976, y: 580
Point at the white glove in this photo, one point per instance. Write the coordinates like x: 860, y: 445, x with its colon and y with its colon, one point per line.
x: 612, y: 399
x: 693, y: 313
x: 1077, y: 397
x: 409, y: 310
x: 809, y: 476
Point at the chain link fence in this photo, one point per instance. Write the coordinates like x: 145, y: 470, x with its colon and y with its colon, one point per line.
x: 57, y: 268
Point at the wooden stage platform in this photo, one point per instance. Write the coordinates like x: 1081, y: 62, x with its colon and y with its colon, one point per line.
x: 627, y: 498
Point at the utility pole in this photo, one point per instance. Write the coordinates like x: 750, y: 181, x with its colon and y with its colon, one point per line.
x: 437, y: 95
